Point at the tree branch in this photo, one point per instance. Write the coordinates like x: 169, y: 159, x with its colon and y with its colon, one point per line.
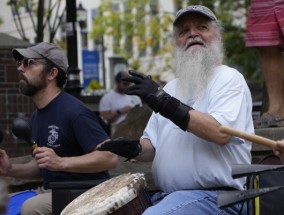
x: 17, y: 20
x: 30, y: 14
x: 58, y: 24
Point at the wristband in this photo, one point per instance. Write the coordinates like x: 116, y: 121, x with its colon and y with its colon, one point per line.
x: 169, y: 107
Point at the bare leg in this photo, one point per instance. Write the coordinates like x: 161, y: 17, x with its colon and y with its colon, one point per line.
x: 273, y: 72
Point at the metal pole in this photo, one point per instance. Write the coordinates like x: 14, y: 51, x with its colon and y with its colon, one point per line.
x: 103, y: 61
x: 73, y: 85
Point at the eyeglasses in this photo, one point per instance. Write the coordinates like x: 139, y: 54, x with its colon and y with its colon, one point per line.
x: 27, y: 62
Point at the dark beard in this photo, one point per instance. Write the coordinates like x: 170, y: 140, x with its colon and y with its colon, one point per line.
x: 29, y: 89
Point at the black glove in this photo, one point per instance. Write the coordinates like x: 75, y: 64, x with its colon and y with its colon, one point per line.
x: 122, y: 147
x: 157, y: 99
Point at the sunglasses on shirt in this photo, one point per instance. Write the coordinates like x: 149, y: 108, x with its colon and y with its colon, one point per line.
x: 27, y: 62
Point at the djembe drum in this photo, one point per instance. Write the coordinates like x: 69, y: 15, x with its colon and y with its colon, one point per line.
x: 123, y: 195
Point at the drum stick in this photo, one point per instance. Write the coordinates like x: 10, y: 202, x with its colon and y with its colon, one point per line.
x: 250, y: 137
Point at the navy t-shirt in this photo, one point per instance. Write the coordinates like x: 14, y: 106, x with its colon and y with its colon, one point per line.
x: 71, y: 129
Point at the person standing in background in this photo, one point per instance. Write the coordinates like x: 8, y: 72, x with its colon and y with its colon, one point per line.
x: 115, y: 105
x: 265, y: 32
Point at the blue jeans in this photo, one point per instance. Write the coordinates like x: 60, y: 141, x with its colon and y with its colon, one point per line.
x: 190, y: 202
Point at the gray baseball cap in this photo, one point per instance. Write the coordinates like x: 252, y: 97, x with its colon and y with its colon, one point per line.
x: 48, y: 51
x: 195, y: 9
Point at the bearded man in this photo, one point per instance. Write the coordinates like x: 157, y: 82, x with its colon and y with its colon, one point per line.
x: 191, y: 158
x: 66, y: 130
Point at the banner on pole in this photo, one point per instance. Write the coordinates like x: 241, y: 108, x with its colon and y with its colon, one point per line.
x: 90, y: 61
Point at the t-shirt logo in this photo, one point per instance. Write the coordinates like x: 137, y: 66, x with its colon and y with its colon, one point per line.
x: 53, y: 135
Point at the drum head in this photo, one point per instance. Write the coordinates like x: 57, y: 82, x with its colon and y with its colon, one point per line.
x: 108, y: 196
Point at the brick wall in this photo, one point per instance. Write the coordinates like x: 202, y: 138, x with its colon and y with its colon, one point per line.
x: 12, y: 105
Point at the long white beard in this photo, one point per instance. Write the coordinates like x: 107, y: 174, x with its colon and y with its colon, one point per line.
x: 194, y: 69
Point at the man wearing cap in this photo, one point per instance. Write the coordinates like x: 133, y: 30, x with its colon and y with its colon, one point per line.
x: 191, y: 158
x: 115, y: 105
x: 66, y: 131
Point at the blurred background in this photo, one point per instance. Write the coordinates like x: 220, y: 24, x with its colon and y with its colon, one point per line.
x: 102, y: 37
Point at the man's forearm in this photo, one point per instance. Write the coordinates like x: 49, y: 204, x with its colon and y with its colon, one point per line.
x: 207, y: 127
x: 148, y: 152
x: 95, y: 161
x: 26, y: 171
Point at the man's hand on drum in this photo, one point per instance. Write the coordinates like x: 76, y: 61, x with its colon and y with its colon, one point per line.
x: 122, y: 147
x: 279, y: 149
x: 46, y: 158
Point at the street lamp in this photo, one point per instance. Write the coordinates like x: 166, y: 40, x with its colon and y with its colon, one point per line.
x: 82, y: 20
x: 73, y: 84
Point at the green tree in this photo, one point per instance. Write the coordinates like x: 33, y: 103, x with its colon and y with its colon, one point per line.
x: 134, y: 25
x: 42, y: 16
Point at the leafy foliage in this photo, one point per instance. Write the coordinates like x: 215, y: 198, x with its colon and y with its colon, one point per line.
x: 42, y: 16
x: 132, y: 25
x: 232, y: 14
x: 135, y: 24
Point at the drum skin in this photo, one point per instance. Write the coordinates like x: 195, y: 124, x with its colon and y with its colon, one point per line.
x: 125, y: 194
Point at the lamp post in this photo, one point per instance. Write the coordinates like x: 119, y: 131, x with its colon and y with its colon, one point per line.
x: 82, y: 20
x: 99, y: 46
x: 73, y: 84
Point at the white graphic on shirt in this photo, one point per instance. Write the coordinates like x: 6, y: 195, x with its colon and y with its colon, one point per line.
x: 53, y: 136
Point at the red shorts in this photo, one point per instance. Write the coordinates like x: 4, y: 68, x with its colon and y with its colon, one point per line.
x: 265, y: 23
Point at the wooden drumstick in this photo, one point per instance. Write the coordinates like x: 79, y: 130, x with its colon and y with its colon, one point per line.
x: 250, y: 137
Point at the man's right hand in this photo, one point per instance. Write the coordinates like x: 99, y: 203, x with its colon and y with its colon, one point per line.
x: 279, y: 149
x: 143, y: 86
x: 5, y: 164
x: 122, y: 147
